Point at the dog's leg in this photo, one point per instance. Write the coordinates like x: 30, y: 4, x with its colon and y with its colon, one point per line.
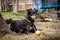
x: 34, y: 27
x: 27, y: 29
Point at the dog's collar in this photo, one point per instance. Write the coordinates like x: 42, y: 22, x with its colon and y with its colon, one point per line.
x: 27, y: 20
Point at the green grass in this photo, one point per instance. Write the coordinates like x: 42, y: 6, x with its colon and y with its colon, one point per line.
x: 12, y: 15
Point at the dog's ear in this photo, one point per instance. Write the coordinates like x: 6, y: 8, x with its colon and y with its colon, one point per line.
x: 29, y: 11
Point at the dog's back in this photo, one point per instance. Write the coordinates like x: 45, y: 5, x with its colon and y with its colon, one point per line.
x: 19, y: 25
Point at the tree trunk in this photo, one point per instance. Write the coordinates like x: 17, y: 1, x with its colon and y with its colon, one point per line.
x: 15, y: 6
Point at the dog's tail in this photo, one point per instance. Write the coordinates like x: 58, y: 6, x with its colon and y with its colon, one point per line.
x: 8, y: 21
x: 1, y: 16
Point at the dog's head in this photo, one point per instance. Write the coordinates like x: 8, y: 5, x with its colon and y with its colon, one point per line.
x: 31, y: 14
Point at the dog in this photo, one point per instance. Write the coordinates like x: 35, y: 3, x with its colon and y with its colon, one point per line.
x: 26, y: 25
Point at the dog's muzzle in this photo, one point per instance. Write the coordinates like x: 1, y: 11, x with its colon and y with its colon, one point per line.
x: 33, y: 16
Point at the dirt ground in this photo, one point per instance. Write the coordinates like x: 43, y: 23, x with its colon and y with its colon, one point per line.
x: 49, y: 31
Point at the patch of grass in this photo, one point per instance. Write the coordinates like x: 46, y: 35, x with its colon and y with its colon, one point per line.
x: 13, y: 15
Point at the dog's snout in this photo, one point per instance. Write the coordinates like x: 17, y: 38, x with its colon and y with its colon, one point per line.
x: 33, y: 17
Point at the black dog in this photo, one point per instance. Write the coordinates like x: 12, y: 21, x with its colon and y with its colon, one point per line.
x: 24, y: 26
